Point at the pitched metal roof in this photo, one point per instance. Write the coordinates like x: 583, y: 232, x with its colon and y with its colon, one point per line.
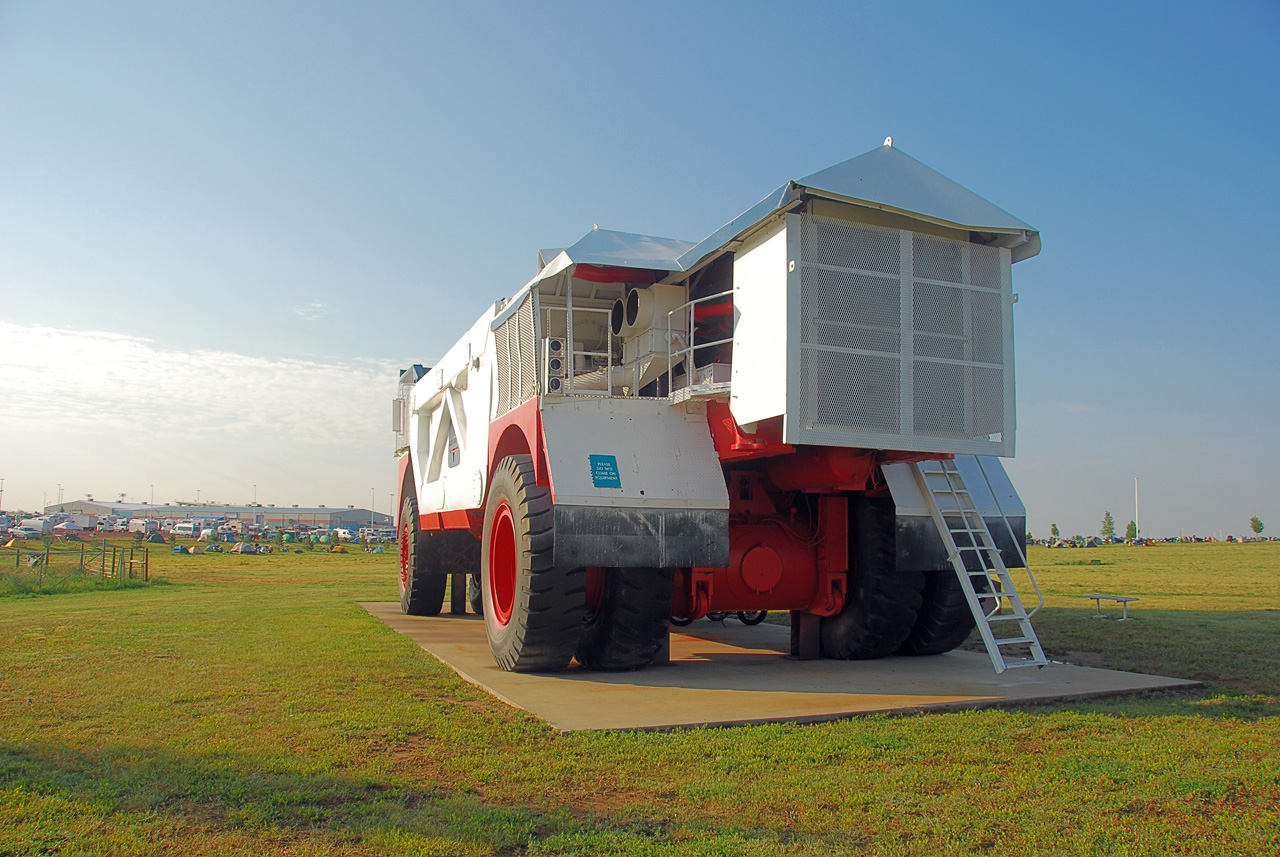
x: 888, y: 179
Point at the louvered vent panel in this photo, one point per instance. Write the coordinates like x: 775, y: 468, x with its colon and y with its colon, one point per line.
x: 528, y: 353
x: 502, y: 365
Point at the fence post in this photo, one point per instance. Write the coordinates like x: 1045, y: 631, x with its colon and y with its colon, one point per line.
x: 146, y: 566
x: 82, y: 556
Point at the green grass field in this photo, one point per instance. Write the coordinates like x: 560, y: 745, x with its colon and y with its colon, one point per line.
x: 246, y: 705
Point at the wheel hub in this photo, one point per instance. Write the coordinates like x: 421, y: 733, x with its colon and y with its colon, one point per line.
x: 502, y: 564
x: 406, y: 544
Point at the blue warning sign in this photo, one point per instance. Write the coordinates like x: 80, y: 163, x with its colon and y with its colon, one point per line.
x: 604, y: 471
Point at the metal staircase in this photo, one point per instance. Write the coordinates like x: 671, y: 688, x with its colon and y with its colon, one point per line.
x: 1002, y: 619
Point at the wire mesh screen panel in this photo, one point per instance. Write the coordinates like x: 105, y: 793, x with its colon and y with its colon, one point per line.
x: 866, y: 398
x: 902, y: 340
x: 850, y: 310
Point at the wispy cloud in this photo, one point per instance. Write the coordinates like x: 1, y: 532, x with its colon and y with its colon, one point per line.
x: 311, y: 311
x: 98, y: 381
x: 1075, y: 407
x: 104, y: 411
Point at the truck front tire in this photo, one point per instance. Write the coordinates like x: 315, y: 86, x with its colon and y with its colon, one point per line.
x: 421, y: 587
x: 532, y: 608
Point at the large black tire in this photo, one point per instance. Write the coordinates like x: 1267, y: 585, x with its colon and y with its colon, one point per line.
x: 626, y: 617
x: 532, y: 608
x: 945, y: 620
x: 474, y: 597
x: 881, y: 606
x: 421, y: 585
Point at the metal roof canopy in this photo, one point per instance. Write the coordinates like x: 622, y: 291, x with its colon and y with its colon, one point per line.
x: 886, y: 179
x: 623, y: 250
x: 607, y: 248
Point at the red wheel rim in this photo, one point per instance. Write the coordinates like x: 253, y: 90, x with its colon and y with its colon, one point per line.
x: 595, y: 591
x: 406, y: 544
x: 502, y: 564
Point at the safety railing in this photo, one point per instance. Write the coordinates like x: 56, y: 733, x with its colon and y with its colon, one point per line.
x: 688, y: 353
x: 599, y: 372
x: 600, y: 363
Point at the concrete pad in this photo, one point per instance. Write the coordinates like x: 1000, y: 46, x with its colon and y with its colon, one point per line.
x: 733, y: 674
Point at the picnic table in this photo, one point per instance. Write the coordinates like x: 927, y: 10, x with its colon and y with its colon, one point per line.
x: 1122, y: 600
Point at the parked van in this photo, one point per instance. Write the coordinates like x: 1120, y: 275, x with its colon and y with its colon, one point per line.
x: 185, y: 530
x: 142, y: 525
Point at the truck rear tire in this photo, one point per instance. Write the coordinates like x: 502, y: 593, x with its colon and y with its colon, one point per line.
x: 881, y: 606
x: 626, y: 617
x: 532, y: 608
x: 421, y: 586
x: 945, y: 620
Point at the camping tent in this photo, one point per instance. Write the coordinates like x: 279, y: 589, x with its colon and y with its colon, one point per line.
x: 68, y: 530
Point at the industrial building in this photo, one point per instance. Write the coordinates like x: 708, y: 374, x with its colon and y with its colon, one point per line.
x: 324, y: 517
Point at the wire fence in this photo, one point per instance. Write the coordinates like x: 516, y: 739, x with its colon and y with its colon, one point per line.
x: 51, y: 562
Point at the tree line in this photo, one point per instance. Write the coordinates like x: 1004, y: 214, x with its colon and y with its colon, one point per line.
x: 1108, y: 528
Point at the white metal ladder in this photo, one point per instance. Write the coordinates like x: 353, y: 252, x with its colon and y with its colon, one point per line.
x: 997, y: 607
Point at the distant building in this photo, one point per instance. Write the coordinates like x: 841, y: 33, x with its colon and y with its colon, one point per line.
x: 265, y: 516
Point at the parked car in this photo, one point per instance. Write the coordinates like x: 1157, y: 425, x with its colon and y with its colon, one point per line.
x: 25, y: 533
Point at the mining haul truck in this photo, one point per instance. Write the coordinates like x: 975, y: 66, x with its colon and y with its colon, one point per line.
x: 804, y: 412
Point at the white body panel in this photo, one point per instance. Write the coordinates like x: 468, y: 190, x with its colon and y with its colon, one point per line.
x: 659, y: 455
x: 759, y: 373
x: 449, y: 410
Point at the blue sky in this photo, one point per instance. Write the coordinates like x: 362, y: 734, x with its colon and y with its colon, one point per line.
x: 224, y: 226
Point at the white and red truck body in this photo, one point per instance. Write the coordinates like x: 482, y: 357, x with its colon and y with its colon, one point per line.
x: 714, y: 408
